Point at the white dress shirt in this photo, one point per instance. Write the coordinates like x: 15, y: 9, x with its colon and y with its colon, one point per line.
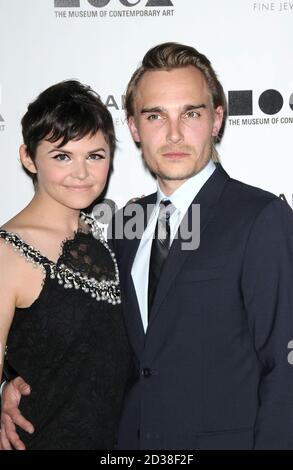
x: 181, y: 199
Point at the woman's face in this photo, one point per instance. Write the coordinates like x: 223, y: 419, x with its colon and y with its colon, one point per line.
x: 74, y: 174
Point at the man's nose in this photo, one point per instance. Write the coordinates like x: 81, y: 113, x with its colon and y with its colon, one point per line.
x: 174, y: 134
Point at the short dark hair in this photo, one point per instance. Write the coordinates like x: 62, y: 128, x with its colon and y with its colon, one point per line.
x: 67, y: 110
x: 169, y: 56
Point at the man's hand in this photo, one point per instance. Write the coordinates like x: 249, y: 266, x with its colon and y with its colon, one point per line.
x: 10, y: 414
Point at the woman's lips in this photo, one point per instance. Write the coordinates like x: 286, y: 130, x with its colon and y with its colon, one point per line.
x: 78, y: 188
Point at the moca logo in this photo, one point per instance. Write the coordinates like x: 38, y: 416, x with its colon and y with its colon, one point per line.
x: 104, y: 3
x: 241, y: 102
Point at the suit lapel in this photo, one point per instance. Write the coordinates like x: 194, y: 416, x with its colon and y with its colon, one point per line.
x: 132, y: 312
x: 207, y: 199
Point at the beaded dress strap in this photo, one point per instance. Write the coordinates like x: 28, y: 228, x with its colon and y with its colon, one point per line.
x: 104, y: 290
x: 96, y: 231
x: 25, y: 250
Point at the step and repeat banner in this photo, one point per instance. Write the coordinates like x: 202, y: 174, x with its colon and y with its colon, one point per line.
x: 101, y: 42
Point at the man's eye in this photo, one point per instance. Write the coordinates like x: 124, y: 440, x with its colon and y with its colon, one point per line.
x: 96, y: 156
x: 61, y: 157
x: 192, y: 114
x: 154, y: 117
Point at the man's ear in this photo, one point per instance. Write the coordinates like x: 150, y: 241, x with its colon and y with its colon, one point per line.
x: 26, y: 160
x: 218, y: 119
x: 133, y: 129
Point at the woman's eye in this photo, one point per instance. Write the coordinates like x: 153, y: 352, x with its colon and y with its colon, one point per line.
x: 61, y: 157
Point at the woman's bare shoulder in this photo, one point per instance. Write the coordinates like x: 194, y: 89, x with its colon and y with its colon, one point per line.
x: 26, y: 229
x: 20, y: 283
x: 17, y: 223
x: 16, y: 226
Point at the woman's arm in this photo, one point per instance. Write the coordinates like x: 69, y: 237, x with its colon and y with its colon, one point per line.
x: 10, y: 415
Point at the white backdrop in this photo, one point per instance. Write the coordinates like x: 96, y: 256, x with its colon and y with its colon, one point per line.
x: 101, y: 42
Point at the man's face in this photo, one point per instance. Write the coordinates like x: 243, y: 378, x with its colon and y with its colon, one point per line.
x: 175, y: 123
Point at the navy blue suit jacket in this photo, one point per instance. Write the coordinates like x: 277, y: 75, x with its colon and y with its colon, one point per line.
x: 212, y: 370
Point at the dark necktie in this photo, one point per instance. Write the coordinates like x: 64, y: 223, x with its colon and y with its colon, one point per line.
x: 160, y: 249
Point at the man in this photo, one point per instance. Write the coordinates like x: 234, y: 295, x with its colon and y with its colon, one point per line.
x: 209, y: 322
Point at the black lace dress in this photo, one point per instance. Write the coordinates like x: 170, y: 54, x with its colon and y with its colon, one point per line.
x: 70, y: 346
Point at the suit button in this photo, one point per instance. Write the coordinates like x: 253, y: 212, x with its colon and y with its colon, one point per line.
x: 146, y: 372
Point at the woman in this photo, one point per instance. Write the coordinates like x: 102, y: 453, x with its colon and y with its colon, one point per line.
x: 60, y: 316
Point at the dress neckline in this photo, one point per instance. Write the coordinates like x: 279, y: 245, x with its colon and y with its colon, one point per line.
x: 24, y: 246
x: 100, y: 290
